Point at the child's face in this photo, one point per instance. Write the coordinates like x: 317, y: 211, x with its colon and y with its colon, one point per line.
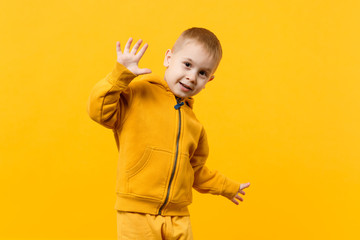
x: 188, y: 69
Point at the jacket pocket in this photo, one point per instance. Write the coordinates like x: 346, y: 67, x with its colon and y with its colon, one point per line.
x: 184, y: 181
x: 148, y: 177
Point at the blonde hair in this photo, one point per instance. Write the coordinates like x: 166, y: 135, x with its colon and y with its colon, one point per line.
x: 204, y: 37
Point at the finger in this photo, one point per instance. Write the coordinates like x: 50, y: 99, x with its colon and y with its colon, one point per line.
x: 244, y: 185
x: 136, y: 46
x: 142, y: 51
x: 118, y: 48
x: 234, y: 201
x: 238, y: 197
x: 242, y: 192
x: 128, y: 44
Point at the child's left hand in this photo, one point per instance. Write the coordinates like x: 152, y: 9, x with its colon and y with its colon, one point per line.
x: 242, y: 186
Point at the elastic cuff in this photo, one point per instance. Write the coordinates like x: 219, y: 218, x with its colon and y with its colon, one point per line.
x: 230, y: 188
x: 121, y: 76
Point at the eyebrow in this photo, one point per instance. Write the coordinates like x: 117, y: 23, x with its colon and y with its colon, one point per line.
x: 206, y: 69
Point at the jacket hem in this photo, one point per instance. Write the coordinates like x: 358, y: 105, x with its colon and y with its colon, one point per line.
x: 130, y: 203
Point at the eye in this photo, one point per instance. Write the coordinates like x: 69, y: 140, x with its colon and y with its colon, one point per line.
x: 187, y: 64
x: 203, y: 73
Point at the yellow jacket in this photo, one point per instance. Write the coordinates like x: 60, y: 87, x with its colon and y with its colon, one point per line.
x: 162, y: 146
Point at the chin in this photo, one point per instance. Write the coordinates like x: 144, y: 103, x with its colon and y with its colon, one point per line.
x: 180, y: 95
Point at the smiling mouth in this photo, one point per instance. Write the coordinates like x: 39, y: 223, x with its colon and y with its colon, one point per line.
x: 185, y: 86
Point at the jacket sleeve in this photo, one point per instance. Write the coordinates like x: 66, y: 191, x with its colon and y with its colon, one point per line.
x: 210, y: 181
x: 110, y: 97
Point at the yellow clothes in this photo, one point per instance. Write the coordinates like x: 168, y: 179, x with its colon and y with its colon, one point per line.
x: 144, y: 226
x: 162, y: 146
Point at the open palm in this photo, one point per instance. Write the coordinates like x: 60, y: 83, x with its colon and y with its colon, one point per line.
x: 130, y: 58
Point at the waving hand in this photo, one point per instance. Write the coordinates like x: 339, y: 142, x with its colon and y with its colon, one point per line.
x: 130, y: 58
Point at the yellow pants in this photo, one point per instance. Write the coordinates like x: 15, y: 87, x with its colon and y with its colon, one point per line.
x: 139, y: 226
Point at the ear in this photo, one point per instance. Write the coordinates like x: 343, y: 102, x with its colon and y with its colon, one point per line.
x: 168, y: 55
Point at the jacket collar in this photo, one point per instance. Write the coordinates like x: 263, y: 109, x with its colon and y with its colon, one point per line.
x: 155, y: 79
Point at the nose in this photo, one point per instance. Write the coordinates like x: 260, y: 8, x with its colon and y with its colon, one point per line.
x: 191, y: 76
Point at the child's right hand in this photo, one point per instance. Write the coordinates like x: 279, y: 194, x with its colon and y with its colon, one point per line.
x: 130, y: 59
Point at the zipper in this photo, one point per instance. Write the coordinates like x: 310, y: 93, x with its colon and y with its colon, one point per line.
x: 177, y: 107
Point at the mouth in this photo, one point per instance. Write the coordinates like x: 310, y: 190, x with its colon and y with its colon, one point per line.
x: 185, y: 86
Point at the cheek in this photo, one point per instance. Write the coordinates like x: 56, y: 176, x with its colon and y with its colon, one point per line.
x: 177, y: 70
x: 202, y: 84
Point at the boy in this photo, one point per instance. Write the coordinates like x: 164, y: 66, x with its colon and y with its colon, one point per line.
x: 162, y: 146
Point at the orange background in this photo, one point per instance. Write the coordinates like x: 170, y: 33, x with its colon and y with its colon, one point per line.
x: 282, y: 113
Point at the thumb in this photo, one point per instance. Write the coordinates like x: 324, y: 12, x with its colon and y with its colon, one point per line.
x: 144, y: 71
